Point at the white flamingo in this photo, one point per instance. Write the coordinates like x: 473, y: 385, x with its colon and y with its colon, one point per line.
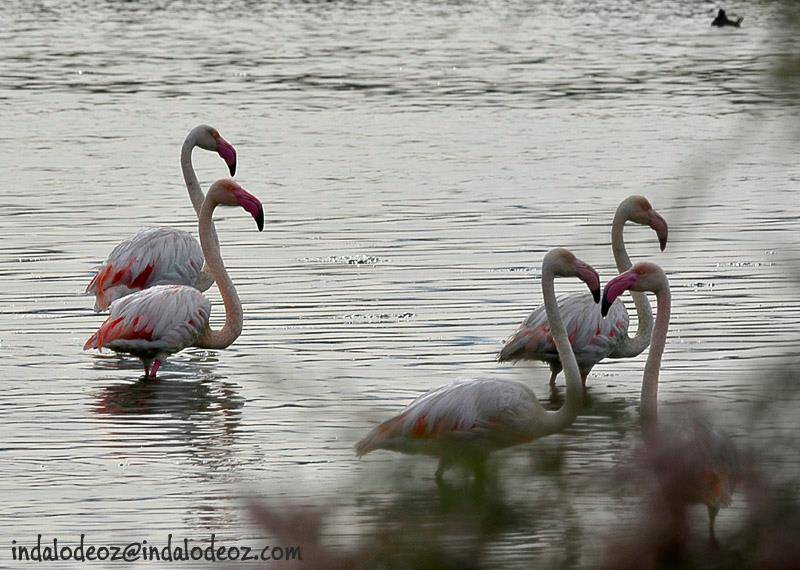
x: 162, y: 320
x: 467, y: 420
x: 593, y: 338
x: 162, y: 256
x: 696, y: 464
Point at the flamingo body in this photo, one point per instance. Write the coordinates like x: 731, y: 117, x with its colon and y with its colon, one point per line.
x: 484, y: 415
x: 467, y: 420
x: 154, y: 323
x: 154, y: 256
x: 591, y: 336
x: 164, y: 319
x: 162, y: 256
x: 695, y: 463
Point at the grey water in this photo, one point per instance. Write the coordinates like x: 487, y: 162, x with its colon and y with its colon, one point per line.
x: 416, y: 160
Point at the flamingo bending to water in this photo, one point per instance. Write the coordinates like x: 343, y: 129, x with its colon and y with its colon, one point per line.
x: 162, y: 256
x: 466, y: 420
x: 593, y: 338
x: 700, y: 465
x: 162, y: 320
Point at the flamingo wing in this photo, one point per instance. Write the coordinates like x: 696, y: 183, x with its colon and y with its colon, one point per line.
x: 154, y: 256
x: 592, y: 337
x: 492, y: 413
x: 161, y: 319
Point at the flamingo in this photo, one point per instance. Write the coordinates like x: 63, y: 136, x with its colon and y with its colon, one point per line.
x: 162, y: 320
x: 593, y: 338
x: 161, y: 256
x: 468, y: 419
x: 700, y: 465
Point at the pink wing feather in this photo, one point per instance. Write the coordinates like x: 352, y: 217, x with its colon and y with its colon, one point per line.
x: 155, y: 256
x: 592, y: 337
x: 165, y: 318
x: 484, y: 412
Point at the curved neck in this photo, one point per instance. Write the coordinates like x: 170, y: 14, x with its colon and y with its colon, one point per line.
x: 649, y: 402
x: 189, y: 177
x: 224, y: 337
x: 630, y: 347
x: 558, y: 420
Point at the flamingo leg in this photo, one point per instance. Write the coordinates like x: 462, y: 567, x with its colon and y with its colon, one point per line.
x: 154, y: 370
x: 555, y: 369
x: 146, y: 370
x: 584, y: 376
x: 443, y: 465
x: 712, y: 516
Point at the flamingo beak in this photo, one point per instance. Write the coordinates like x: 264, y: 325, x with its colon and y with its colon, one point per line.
x: 226, y: 151
x: 252, y: 205
x: 659, y: 225
x: 588, y: 275
x: 616, y: 287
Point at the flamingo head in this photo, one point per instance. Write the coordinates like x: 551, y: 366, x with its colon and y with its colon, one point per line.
x: 639, y: 211
x: 229, y: 193
x: 565, y: 264
x: 644, y: 276
x: 208, y: 138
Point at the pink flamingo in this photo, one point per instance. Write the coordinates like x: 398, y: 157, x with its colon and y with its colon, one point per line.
x: 162, y: 320
x: 593, y: 338
x: 466, y: 420
x: 162, y: 256
x: 699, y: 464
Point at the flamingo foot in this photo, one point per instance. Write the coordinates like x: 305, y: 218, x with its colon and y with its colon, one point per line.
x: 154, y: 370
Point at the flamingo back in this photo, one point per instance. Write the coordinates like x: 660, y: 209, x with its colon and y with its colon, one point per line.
x: 154, y: 256
x: 161, y: 319
x: 592, y: 337
x: 490, y: 414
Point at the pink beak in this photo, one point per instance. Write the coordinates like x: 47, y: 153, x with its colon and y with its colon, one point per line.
x: 226, y: 151
x: 588, y: 275
x: 252, y: 205
x: 659, y: 225
x: 617, y: 287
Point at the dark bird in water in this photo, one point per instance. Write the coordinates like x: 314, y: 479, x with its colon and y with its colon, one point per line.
x: 722, y: 20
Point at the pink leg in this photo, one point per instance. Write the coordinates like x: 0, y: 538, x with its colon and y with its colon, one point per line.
x: 147, y: 370
x: 154, y: 371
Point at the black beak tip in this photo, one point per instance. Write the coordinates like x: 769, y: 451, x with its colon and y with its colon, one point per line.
x: 605, y: 307
x: 596, y: 295
x: 663, y: 244
x: 232, y: 168
x: 260, y: 220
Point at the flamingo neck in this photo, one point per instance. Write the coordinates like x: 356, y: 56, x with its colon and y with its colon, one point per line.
x: 649, y: 402
x: 566, y: 414
x: 189, y: 177
x: 209, y: 241
x: 630, y: 347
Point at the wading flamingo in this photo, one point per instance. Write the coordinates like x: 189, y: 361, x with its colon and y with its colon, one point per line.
x: 162, y: 256
x: 162, y: 320
x: 466, y: 420
x: 699, y: 464
x: 593, y: 338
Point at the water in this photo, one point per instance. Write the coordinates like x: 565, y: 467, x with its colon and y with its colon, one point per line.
x: 416, y: 160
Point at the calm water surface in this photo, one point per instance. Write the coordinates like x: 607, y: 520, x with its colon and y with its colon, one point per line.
x: 416, y: 160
